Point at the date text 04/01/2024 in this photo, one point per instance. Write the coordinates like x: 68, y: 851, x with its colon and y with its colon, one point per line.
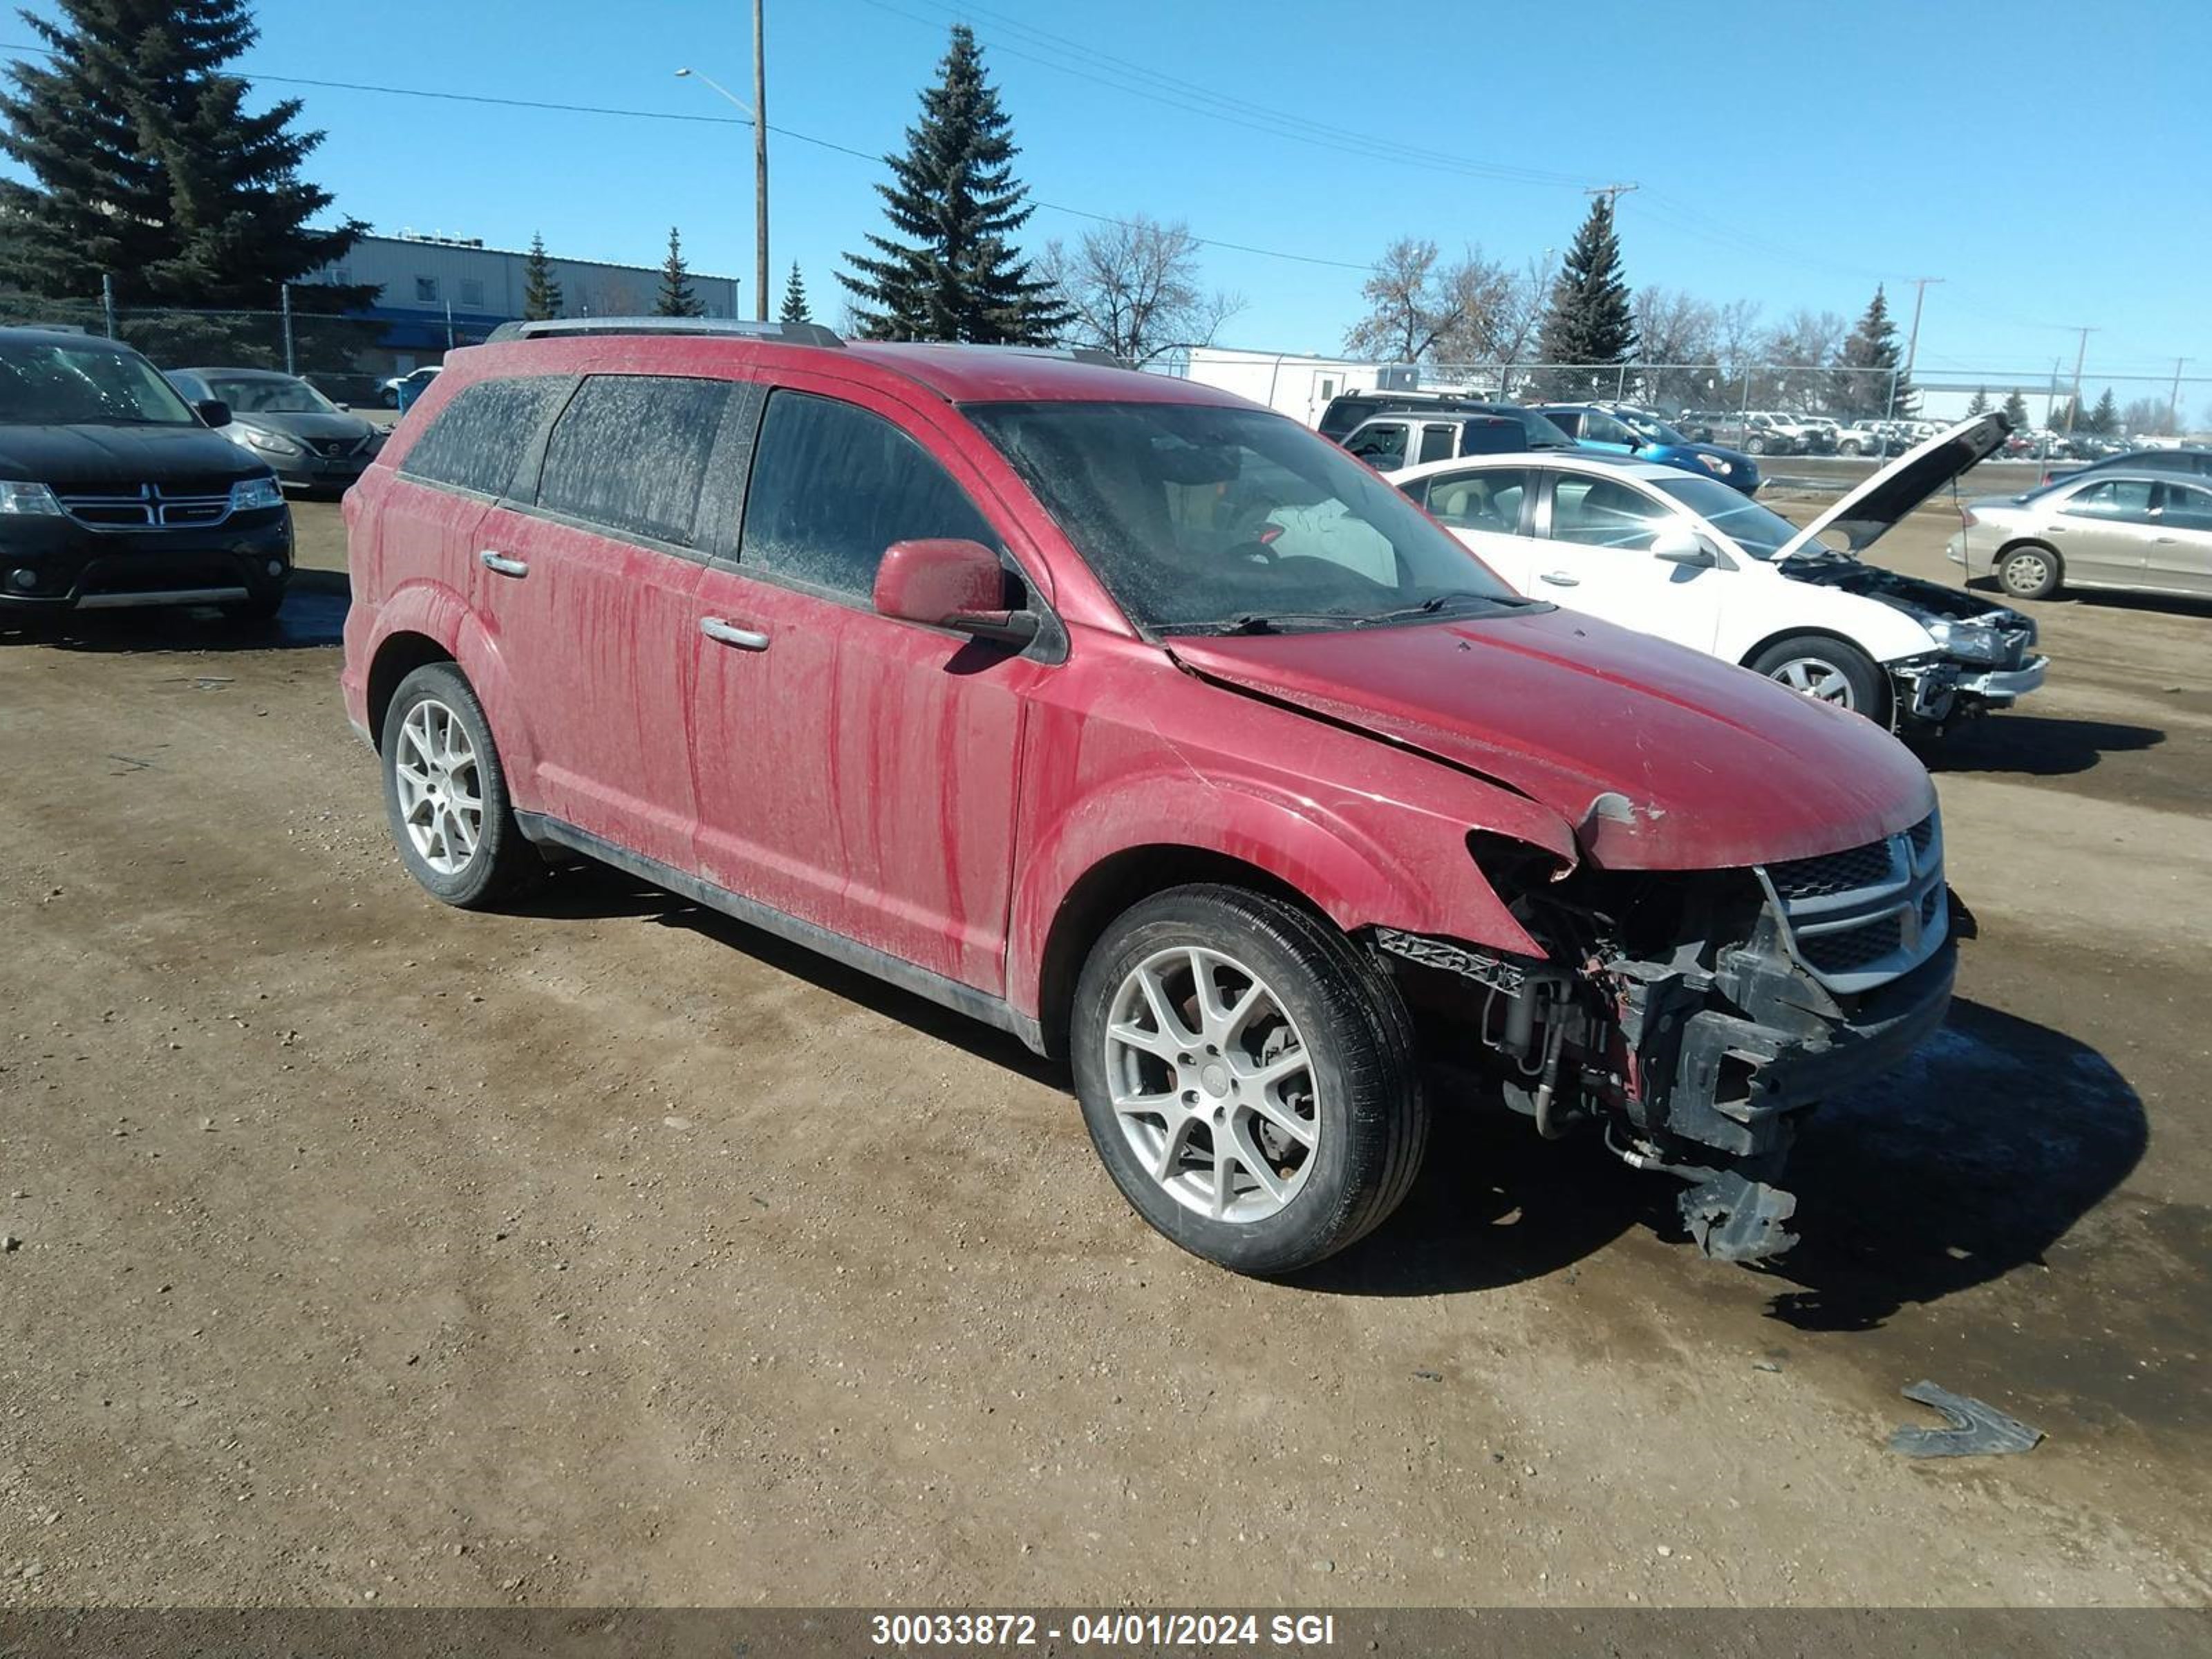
x: 1123, y: 1629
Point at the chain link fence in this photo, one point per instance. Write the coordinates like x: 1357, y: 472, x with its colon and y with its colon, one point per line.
x: 347, y: 358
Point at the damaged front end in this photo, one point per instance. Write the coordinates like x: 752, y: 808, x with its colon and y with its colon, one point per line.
x: 1694, y: 1019
x: 1984, y: 657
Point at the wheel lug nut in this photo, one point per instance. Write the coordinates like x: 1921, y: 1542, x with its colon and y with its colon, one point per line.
x: 1190, y: 1097
x: 1183, y: 1059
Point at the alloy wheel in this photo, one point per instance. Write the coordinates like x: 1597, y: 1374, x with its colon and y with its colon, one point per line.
x: 1821, y: 680
x: 1213, y: 1086
x: 441, y: 788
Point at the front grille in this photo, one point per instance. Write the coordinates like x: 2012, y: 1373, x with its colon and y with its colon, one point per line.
x: 333, y: 447
x: 1853, y: 948
x: 1864, y: 916
x: 146, y: 507
x: 1832, y: 872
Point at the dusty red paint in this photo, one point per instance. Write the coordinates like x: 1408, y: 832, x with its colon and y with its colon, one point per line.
x: 929, y: 580
x: 939, y: 799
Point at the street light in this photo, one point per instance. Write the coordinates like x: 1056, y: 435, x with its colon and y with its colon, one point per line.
x: 753, y: 115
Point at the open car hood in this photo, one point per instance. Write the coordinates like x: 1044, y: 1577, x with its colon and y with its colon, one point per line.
x: 1865, y: 514
x: 1657, y: 757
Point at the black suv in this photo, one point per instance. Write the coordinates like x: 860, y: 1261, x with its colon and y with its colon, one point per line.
x: 114, y: 491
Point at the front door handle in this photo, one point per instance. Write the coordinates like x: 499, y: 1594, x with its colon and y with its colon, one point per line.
x: 501, y: 565
x: 730, y: 634
x: 2166, y: 541
x: 1560, y: 579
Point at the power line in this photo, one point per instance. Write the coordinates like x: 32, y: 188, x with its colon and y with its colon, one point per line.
x: 871, y: 156
x: 1140, y: 81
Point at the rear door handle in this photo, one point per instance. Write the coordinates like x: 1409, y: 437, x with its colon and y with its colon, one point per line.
x: 2166, y: 541
x: 500, y: 563
x: 730, y: 634
x: 1560, y: 579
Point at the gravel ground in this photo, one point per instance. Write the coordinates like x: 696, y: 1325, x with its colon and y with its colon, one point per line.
x: 364, y: 1251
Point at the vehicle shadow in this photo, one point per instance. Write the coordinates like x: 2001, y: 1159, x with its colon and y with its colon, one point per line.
x: 1494, y: 1205
x: 589, y: 892
x: 310, y: 620
x: 1970, y: 1160
x: 2035, y: 746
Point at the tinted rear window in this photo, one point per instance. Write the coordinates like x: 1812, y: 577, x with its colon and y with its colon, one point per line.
x: 477, y: 440
x: 631, y: 454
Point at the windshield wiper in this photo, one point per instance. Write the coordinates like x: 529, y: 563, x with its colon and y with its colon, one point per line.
x: 1429, y: 607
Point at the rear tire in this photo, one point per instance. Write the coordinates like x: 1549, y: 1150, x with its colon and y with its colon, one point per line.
x: 445, y: 794
x: 1755, y: 447
x: 1829, y: 670
x: 1267, y: 1120
x: 2031, y: 571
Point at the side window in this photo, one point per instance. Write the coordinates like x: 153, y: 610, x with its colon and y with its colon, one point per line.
x: 1436, y: 443
x: 631, y: 452
x: 2188, y: 506
x: 1601, y: 513
x: 834, y: 485
x: 1604, y: 429
x: 1382, y: 448
x: 2127, y: 500
x: 478, y: 439
x: 1489, y: 500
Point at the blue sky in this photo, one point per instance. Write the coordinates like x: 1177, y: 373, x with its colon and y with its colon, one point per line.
x: 2047, y: 160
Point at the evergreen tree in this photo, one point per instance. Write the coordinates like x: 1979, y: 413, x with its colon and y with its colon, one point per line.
x: 794, y: 298
x: 1980, y: 404
x: 1589, y: 321
x: 2016, y: 411
x: 145, y: 165
x: 2104, y: 419
x: 1859, y: 389
x: 541, y: 290
x: 677, y: 298
x: 949, y: 272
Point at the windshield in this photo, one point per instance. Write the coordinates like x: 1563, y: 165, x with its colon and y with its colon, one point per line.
x: 268, y: 394
x: 56, y: 383
x: 1760, y: 532
x: 1202, y: 519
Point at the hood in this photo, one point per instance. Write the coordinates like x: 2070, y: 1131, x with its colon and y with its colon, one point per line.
x: 1867, y: 514
x: 1736, y: 463
x: 1660, y: 757
x: 1920, y: 599
x: 307, y: 423
x: 97, y: 456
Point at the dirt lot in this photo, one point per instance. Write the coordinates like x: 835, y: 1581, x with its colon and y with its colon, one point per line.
x: 616, y: 1253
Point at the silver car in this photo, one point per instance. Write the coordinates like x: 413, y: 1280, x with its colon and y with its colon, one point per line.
x: 2143, y: 532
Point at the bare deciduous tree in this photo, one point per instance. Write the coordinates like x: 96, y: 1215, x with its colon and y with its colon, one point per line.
x: 1132, y: 285
x: 1677, y: 353
x: 1472, y: 311
x: 1800, y: 351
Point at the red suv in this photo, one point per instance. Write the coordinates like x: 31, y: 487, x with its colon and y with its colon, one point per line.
x: 1148, y: 726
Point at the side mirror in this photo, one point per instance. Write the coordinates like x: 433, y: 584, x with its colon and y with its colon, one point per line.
x: 943, y: 582
x: 1684, y: 547
x: 213, y: 411
x: 345, y: 408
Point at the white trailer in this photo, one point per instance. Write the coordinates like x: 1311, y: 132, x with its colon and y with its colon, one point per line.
x: 1288, y: 381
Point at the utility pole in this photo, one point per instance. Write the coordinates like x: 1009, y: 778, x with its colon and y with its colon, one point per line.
x: 2173, y: 404
x: 284, y: 290
x: 1912, y: 340
x: 1613, y: 193
x: 2081, y: 354
x: 760, y: 166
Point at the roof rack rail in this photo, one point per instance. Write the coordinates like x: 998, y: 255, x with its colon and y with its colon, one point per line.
x: 1079, y: 353
x: 549, y: 328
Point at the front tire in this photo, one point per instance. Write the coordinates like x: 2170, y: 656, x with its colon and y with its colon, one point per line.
x: 1827, y: 670
x: 1755, y: 447
x: 2030, y: 572
x: 445, y: 794
x: 1247, y: 1077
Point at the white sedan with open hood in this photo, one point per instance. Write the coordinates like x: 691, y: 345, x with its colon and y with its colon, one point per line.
x: 1692, y: 561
